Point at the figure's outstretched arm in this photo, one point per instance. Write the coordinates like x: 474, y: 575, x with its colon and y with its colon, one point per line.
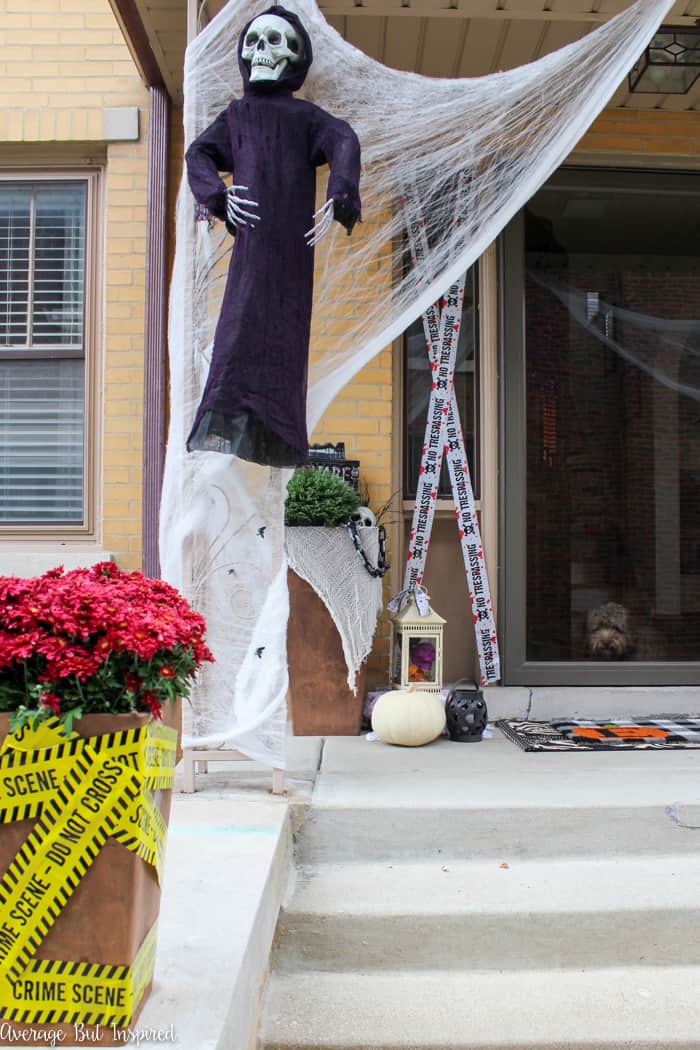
x: 335, y: 143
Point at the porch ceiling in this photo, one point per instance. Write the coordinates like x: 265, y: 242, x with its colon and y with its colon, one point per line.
x: 445, y: 38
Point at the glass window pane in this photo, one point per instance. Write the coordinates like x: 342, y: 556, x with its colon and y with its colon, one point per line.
x: 41, y: 441
x: 613, y: 407
x: 15, y: 225
x: 59, y: 267
x: 42, y: 305
x: 42, y: 265
x: 417, y: 384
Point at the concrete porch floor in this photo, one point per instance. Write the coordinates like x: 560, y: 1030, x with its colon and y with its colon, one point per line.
x: 230, y: 850
x: 495, y: 774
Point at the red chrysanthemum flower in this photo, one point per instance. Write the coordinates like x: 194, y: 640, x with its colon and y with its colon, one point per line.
x: 132, y: 682
x: 52, y: 702
x: 150, y: 701
x: 99, y: 635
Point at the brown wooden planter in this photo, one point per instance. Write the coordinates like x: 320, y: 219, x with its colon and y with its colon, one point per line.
x: 321, y: 704
x: 109, y: 914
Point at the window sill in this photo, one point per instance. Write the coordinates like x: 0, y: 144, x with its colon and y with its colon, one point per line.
x: 35, y: 559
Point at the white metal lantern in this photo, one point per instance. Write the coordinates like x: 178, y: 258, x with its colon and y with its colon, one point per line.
x: 416, y: 646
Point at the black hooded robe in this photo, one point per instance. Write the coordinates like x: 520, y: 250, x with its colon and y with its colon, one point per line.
x: 254, y: 401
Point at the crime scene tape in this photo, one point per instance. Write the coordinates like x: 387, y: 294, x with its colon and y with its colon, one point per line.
x: 153, y: 756
x: 30, y: 777
x: 52, y: 992
x: 83, y: 792
x: 144, y: 832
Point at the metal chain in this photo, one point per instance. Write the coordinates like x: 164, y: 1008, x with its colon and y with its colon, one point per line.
x: 381, y: 567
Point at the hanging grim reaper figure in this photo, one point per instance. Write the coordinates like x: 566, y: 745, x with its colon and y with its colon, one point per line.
x: 254, y: 401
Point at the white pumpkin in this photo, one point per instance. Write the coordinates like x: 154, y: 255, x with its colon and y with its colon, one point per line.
x: 409, y: 717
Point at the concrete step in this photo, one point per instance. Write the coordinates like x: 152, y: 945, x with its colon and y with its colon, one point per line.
x: 639, y: 1008
x: 338, y: 834
x: 475, y: 897
x: 488, y: 800
x: 493, y: 915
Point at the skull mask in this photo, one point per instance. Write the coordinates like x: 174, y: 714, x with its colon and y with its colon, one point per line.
x: 364, y: 516
x: 271, y: 43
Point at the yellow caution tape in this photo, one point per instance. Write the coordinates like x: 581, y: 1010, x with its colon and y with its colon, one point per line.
x: 154, y: 756
x: 52, y: 992
x: 30, y: 776
x: 59, y: 850
x: 83, y: 791
x: 32, y: 738
x: 143, y: 830
x: 142, y: 968
x: 30, y: 779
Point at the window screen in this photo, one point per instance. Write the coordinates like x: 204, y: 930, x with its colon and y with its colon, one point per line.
x: 42, y: 351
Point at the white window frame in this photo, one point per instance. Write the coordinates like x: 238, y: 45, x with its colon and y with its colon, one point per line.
x: 87, y: 530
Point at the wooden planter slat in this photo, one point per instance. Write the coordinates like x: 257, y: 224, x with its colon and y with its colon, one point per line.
x: 320, y: 700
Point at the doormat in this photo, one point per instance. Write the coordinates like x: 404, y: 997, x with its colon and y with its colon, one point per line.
x: 580, y: 734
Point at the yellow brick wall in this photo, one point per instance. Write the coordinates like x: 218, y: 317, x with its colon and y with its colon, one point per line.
x: 62, y: 62
x: 645, y: 132
x: 125, y: 275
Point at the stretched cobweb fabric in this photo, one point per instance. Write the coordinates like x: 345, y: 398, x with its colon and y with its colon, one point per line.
x: 667, y: 349
x: 507, y: 133
x: 326, y: 559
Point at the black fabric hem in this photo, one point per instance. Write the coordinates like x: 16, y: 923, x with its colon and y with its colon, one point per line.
x: 245, y: 436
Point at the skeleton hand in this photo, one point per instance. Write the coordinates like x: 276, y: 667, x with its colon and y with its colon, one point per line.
x: 345, y: 214
x: 237, y: 215
x: 323, y: 222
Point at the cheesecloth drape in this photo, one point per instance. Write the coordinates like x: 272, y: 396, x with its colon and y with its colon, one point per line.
x: 222, y: 538
x: 326, y: 559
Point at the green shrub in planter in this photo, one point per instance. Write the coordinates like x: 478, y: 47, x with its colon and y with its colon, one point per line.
x: 317, y: 497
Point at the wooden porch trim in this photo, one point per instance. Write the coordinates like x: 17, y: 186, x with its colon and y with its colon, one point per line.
x: 131, y: 24
x: 155, y: 316
x: 155, y: 325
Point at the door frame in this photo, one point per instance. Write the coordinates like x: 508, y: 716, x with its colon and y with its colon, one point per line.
x: 517, y: 669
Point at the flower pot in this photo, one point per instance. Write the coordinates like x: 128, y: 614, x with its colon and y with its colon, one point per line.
x: 321, y: 702
x: 104, y: 912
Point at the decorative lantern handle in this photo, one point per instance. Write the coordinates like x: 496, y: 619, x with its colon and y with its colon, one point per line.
x: 419, y: 595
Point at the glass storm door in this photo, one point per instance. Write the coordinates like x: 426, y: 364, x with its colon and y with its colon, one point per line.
x: 602, y: 432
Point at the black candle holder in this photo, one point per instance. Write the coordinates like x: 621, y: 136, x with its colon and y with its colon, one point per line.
x: 466, y: 714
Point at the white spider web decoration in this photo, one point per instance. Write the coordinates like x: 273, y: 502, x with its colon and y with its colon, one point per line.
x: 509, y: 131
